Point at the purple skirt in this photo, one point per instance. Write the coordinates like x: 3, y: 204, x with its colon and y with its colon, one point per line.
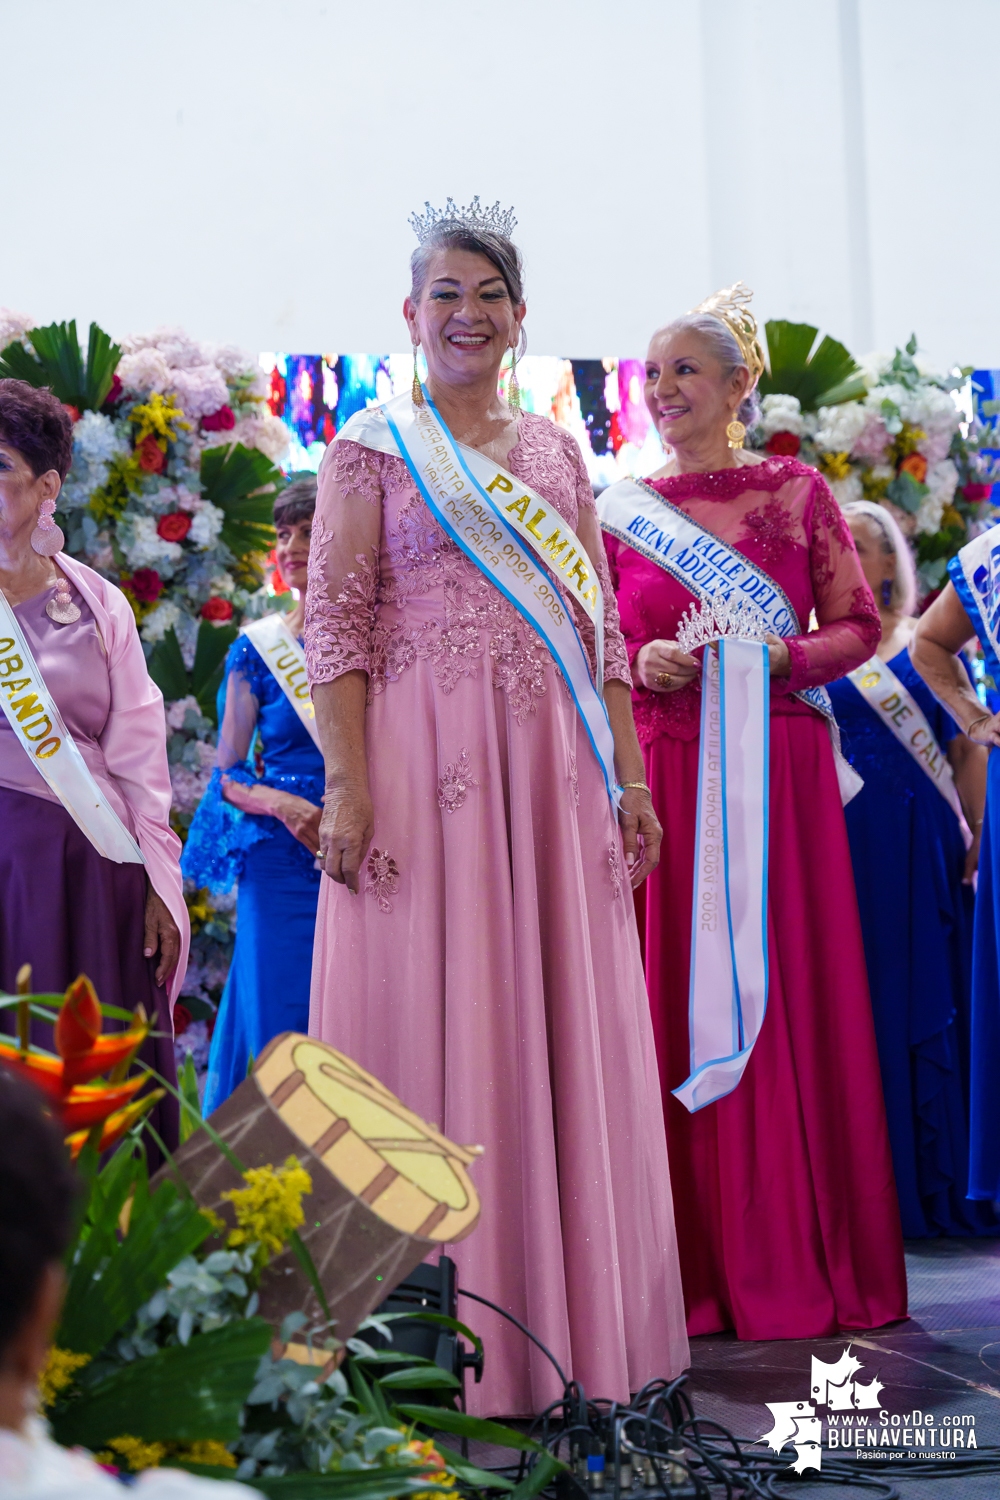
x: 66, y: 910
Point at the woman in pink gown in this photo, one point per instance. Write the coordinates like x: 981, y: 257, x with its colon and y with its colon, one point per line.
x: 787, y: 1216
x: 476, y: 947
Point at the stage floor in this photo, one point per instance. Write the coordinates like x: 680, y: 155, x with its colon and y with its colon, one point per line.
x: 945, y: 1359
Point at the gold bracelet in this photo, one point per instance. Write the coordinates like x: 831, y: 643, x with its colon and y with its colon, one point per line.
x: 640, y: 786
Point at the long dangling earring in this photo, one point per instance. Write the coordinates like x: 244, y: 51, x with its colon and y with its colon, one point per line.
x: 417, y: 390
x: 513, y: 389
x: 47, y: 538
x: 735, y: 433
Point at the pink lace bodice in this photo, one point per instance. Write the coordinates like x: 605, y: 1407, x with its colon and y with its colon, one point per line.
x: 387, y: 587
x: 782, y: 516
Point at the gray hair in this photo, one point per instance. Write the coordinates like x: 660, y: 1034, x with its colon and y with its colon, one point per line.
x: 500, y: 252
x: 894, y: 544
x: 724, y: 347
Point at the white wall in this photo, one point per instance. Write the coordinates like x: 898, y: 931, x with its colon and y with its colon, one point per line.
x: 246, y: 167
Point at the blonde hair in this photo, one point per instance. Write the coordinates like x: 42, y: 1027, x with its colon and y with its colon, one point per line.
x: 894, y: 544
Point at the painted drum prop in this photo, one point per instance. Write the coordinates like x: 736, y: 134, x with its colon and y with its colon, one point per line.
x: 388, y: 1189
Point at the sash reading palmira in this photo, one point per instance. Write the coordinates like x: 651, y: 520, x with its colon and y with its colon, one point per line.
x: 516, y: 539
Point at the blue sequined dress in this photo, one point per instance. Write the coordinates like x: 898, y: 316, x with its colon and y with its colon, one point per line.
x: 267, y: 991
x: 916, y: 916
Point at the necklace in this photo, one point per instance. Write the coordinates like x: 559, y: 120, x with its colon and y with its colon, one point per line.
x: 61, y: 607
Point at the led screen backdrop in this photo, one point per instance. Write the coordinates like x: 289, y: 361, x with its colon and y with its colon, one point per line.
x: 598, y: 400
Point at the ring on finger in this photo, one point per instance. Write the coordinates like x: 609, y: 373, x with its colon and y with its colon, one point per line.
x: 663, y: 679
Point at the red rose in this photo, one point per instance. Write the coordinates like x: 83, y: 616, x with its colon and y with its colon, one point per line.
x: 784, y: 444
x: 146, y: 584
x: 219, y: 421
x: 74, y: 411
x: 217, y: 610
x: 174, y: 526
x: 151, y: 457
x: 974, y: 493
x: 182, y: 1018
x: 115, y: 393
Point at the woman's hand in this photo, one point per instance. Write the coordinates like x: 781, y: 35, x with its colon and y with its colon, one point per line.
x: 300, y: 817
x: 641, y: 833
x: 985, y: 730
x: 972, y: 856
x: 662, y: 667
x: 780, y: 656
x: 160, y: 931
x: 345, y: 831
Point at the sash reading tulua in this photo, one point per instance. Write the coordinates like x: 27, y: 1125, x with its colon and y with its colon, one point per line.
x: 467, y: 494
x: 286, y: 661
x: 639, y: 516
x: 902, y: 715
x: 32, y: 714
x: 975, y: 572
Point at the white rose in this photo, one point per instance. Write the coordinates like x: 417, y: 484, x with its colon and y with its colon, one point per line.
x: 206, y: 525
x: 781, y: 413
x: 840, y: 427
x: 143, y: 548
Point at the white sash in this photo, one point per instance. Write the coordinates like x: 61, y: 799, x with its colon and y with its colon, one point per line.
x: 727, y: 996
x: 902, y: 715
x: 975, y: 572
x: 466, y: 493
x: 32, y: 714
x: 286, y: 661
x: 707, y: 567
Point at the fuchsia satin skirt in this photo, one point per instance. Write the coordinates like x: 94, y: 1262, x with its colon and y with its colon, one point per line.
x: 784, y: 1197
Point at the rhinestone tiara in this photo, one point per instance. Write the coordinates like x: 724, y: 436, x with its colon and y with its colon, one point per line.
x: 495, y: 220
x: 717, y: 618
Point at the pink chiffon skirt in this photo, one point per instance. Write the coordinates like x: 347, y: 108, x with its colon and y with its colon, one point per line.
x: 786, y: 1205
x: 490, y: 975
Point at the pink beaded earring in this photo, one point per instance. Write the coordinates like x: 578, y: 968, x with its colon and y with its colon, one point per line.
x: 47, y: 538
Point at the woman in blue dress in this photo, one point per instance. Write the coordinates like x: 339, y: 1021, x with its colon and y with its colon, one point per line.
x: 259, y: 826
x: 914, y: 881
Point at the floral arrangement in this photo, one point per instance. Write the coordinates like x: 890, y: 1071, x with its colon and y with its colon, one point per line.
x: 908, y: 441
x: 162, y: 1301
x: 175, y: 468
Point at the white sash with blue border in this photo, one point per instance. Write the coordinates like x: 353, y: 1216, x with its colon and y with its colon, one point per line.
x: 467, y: 494
x: 975, y: 572
x: 286, y: 661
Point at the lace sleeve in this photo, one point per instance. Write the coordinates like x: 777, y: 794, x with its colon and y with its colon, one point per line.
x: 343, y: 562
x: 849, y: 627
x: 616, y: 661
x: 220, y: 835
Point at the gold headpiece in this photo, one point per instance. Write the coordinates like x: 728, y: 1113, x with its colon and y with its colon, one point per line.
x: 732, y: 307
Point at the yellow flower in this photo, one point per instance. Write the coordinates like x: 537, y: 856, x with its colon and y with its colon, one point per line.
x: 158, y: 417
x: 207, y: 1451
x: 60, y: 1367
x: 134, y: 1453
x: 836, y: 465
x: 874, y: 489
x: 200, y: 909
x: 218, y: 1224
x: 269, y: 1208
x: 430, y: 1460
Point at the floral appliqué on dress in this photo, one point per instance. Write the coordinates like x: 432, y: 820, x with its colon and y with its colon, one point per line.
x: 336, y: 634
x: 381, y: 878
x: 615, y: 868
x: 769, y: 526
x: 454, y: 784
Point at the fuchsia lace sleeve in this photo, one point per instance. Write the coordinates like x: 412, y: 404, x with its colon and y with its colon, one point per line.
x: 849, y: 627
x: 343, y: 563
x: 616, y: 658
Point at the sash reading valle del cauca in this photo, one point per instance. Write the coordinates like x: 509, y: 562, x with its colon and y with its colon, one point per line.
x: 515, y: 538
x: 975, y: 572
x: 34, y: 717
x: 728, y: 984
x: 286, y: 661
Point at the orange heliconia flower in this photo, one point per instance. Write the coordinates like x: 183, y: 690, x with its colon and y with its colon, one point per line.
x: 84, y: 1054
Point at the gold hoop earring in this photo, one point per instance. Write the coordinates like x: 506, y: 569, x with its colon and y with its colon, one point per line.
x: 417, y: 392
x: 735, y: 433
x: 513, y: 389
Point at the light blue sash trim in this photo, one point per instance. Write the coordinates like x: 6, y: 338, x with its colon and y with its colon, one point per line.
x: 975, y: 572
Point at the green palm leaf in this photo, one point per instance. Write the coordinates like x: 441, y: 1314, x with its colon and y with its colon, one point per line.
x: 184, y: 1393
x: 58, y: 363
x: 820, y: 376
x: 242, y: 482
x: 167, y: 669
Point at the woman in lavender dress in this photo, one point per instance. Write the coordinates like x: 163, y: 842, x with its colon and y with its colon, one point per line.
x: 476, y: 945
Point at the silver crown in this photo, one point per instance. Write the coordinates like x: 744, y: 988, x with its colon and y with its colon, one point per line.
x: 716, y: 618
x: 495, y: 220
